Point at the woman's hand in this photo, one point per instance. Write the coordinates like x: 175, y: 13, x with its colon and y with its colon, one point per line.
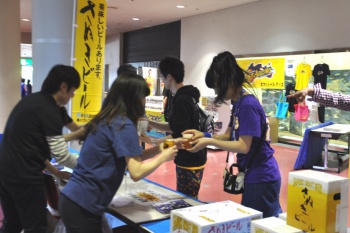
x: 196, y: 133
x: 146, y: 139
x: 179, y: 143
x: 199, y: 144
x: 169, y: 153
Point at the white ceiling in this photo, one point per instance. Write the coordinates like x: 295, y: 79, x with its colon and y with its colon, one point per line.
x: 150, y: 12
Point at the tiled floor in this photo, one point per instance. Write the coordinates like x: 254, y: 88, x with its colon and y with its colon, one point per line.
x: 211, y: 189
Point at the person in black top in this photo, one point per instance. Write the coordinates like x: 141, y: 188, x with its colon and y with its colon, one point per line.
x: 126, y: 68
x: 76, y: 131
x: 29, y: 88
x: 189, y: 166
x: 168, y: 99
x: 23, y: 88
x: 32, y: 134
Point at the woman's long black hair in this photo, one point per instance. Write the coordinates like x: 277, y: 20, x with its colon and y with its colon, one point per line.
x: 125, y: 98
x: 224, y: 72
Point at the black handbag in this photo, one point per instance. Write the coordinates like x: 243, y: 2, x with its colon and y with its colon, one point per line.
x: 233, y: 183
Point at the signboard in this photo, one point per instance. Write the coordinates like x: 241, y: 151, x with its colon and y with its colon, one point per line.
x: 89, y: 58
x: 264, y: 73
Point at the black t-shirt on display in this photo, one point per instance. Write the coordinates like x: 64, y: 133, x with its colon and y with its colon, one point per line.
x: 320, y: 73
x: 24, y: 147
x: 290, y: 89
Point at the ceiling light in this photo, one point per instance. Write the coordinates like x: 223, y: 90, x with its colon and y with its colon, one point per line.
x: 135, y: 19
x: 25, y: 20
x: 180, y: 6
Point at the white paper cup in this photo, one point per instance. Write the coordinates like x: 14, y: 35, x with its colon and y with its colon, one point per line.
x: 142, y: 127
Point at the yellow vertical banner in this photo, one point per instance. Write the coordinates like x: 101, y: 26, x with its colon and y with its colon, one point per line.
x: 265, y: 73
x: 89, y: 50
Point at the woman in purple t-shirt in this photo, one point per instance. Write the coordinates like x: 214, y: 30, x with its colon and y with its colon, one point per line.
x: 243, y: 136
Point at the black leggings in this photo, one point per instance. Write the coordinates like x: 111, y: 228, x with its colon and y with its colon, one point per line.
x: 77, y: 219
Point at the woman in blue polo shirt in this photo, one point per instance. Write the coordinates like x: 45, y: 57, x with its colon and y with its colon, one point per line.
x: 244, y: 136
x: 111, y: 145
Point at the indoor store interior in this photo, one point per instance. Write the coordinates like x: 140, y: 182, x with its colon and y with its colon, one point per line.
x: 285, y: 51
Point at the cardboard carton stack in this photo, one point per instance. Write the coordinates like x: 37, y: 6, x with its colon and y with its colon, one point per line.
x: 317, y: 201
x: 225, y: 216
x: 272, y: 225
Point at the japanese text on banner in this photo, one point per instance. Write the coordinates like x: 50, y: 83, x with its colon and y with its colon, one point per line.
x: 89, y: 51
x: 264, y: 73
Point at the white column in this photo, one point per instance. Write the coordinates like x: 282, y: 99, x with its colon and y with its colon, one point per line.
x: 51, y: 36
x: 10, y: 69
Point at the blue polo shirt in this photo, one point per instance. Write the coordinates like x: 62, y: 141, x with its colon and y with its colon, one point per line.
x: 101, y: 164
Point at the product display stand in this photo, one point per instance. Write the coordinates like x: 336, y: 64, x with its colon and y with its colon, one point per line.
x: 331, y: 132
x: 325, y: 162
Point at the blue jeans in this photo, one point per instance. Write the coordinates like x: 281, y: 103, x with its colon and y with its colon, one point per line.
x: 263, y: 197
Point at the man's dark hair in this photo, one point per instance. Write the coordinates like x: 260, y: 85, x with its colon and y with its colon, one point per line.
x: 174, y: 67
x: 126, y: 68
x: 60, y: 74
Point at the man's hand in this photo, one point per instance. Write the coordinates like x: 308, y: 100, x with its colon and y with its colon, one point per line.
x: 301, y: 95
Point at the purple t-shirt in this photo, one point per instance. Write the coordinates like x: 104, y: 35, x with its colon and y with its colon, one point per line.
x: 250, y: 118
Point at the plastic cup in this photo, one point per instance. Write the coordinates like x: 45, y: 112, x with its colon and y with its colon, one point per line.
x: 168, y: 143
x: 142, y: 188
x: 187, y: 144
x: 142, y: 127
x: 132, y: 189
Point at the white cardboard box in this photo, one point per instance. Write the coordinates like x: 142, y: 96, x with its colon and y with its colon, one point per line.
x: 272, y: 225
x: 317, y: 201
x: 283, y: 216
x: 225, y: 216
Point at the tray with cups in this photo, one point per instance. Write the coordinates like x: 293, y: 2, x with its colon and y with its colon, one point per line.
x: 142, y: 195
